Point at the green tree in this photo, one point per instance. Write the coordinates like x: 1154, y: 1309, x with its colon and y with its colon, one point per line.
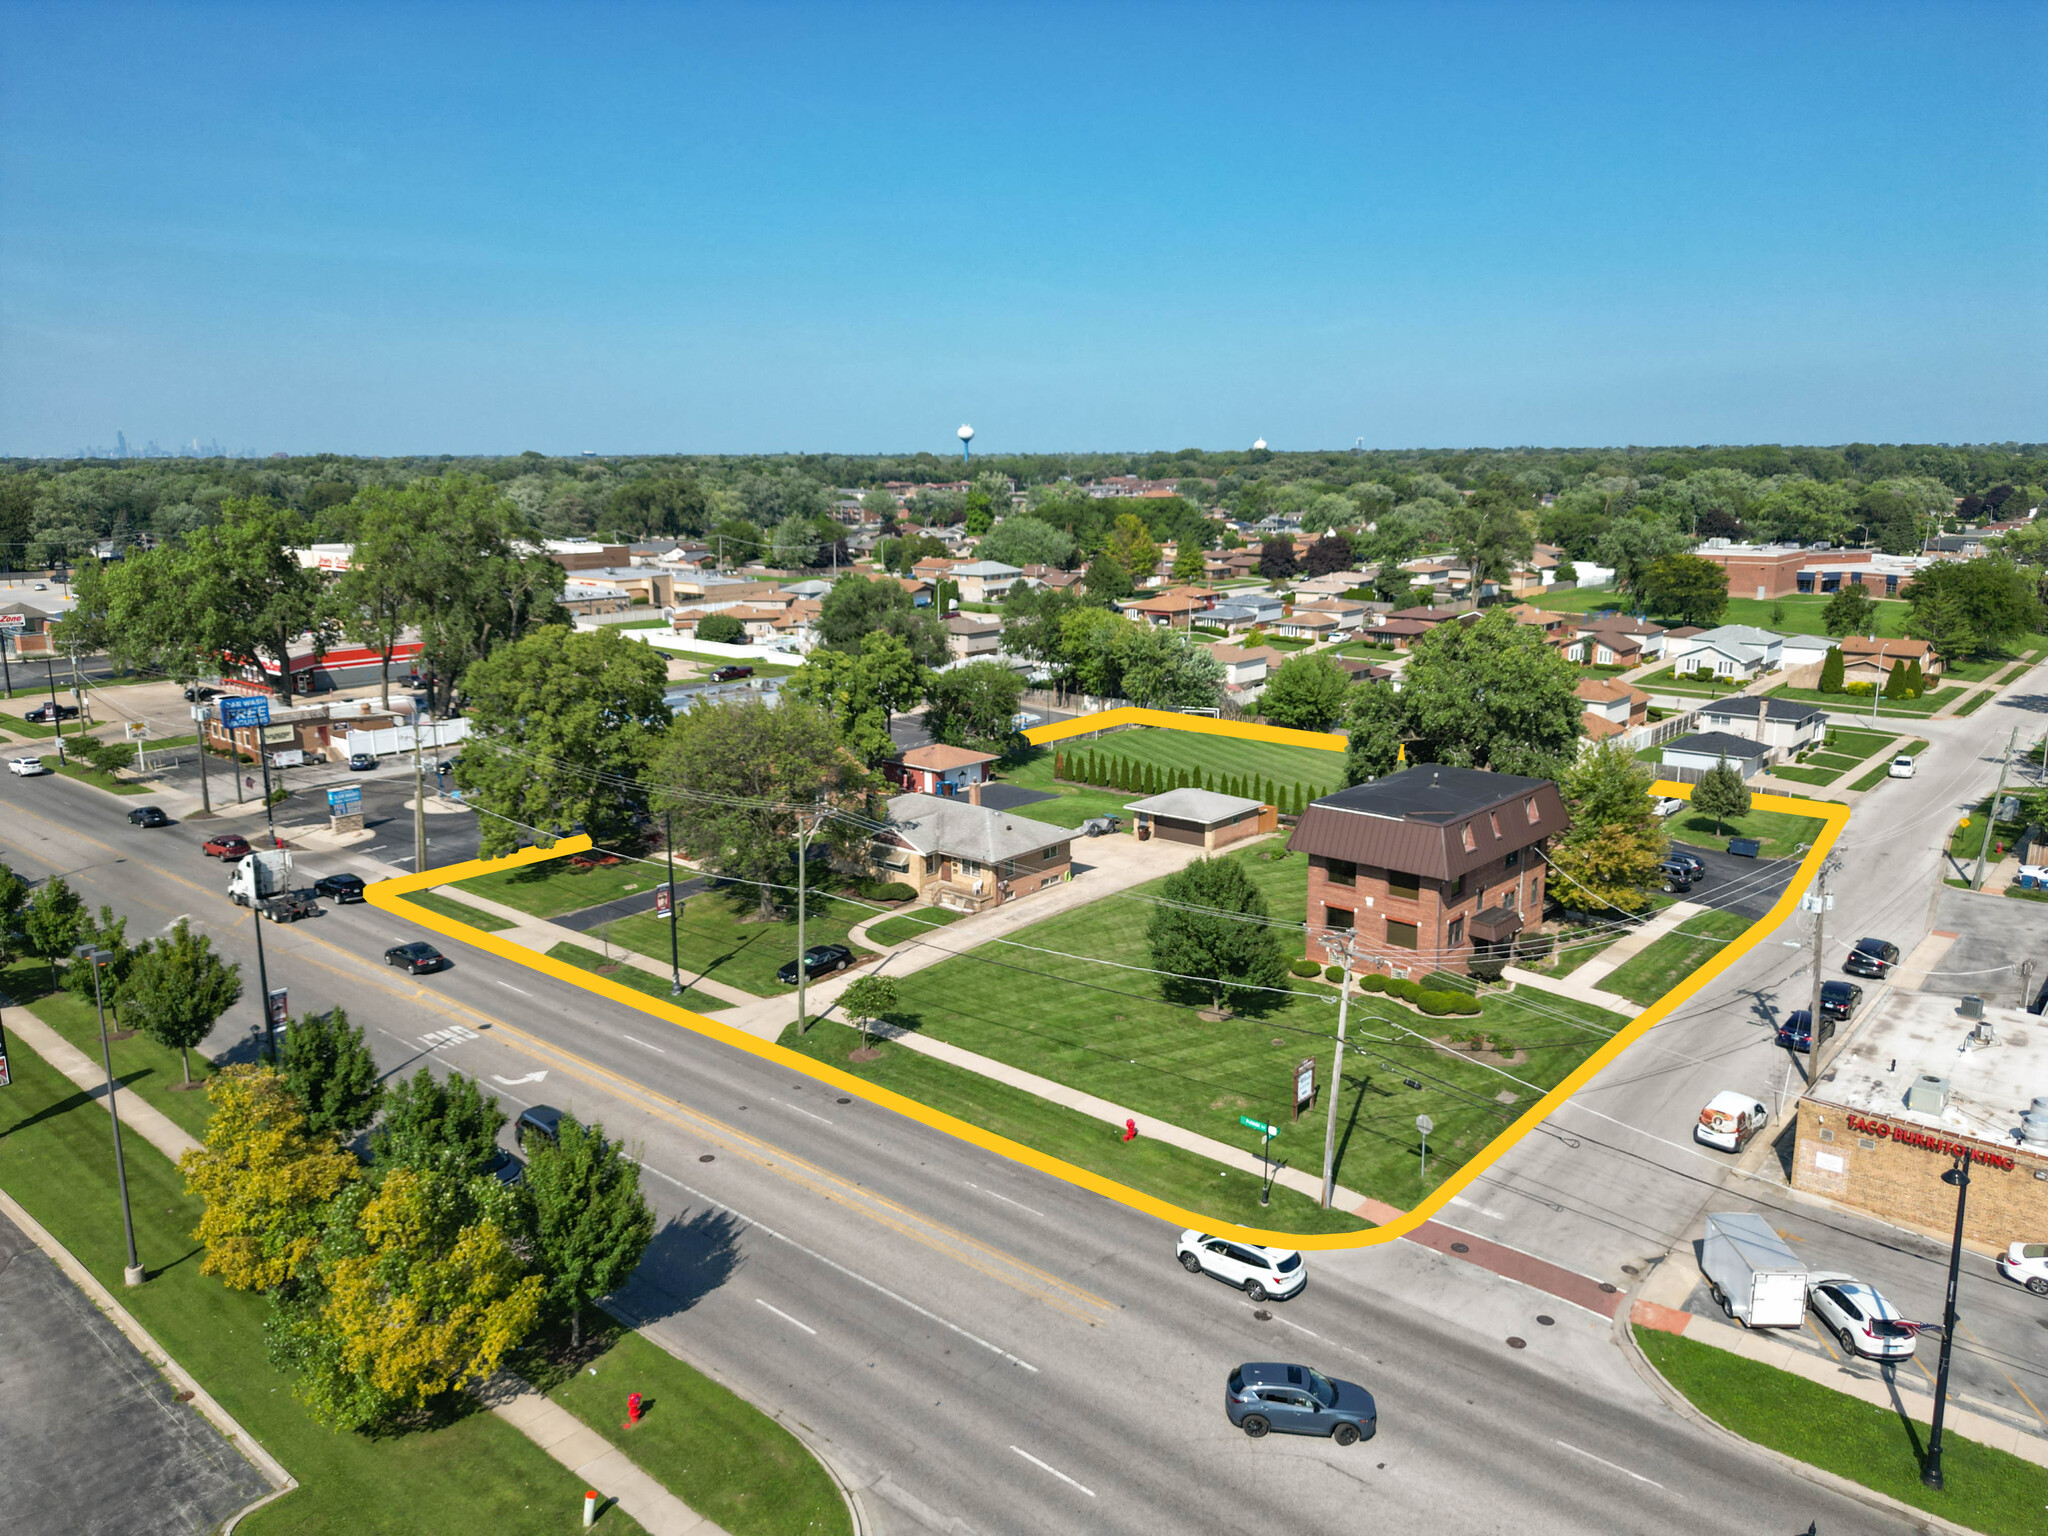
x: 1108, y: 579
x: 177, y: 990
x: 1686, y: 588
x: 1831, y: 670
x: 109, y: 934
x: 591, y: 1224
x: 721, y: 629
x: 868, y: 999
x: 1306, y: 694
x: 374, y: 600
x: 1490, y: 538
x: 1134, y: 547
x: 1609, y: 854
x: 328, y: 1067
x: 975, y: 704
x: 1021, y: 539
x: 1209, y: 927
x: 1849, y: 612
x: 1897, y: 681
x: 1188, y: 564
x: 563, y: 724
x: 1721, y: 794
x: 1968, y: 608
x: 860, y: 691
x: 1164, y: 670
x: 743, y: 774
x: 449, y: 1127
x: 1484, y: 694
x: 14, y: 896
x: 858, y: 606
x: 50, y: 921
x: 1916, y: 680
x: 1377, y: 726
x: 1632, y: 544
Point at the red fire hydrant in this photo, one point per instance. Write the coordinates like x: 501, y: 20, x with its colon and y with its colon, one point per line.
x: 633, y: 1408
x: 1130, y: 1130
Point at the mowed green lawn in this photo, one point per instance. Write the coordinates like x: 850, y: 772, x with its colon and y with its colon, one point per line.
x: 1118, y: 1034
x: 1648, y: 975
x: 141, y: 1066
x: 720, y: 938
x: 1780, y: 832
x: 910, y: 925
x: 462, y: 912
x: 555, y: 886
x: 614, y: 969
x: 1315, y: 770
x: 1801, y: 615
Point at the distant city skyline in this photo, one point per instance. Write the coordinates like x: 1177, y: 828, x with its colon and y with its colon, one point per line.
x: 741, y: 229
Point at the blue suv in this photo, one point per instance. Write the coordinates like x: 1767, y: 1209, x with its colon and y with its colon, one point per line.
x: 1298, y: 1400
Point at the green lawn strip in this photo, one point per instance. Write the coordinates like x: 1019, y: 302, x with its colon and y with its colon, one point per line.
x: 1287, y: 643
x: 1876, y: 776
x: 472, y: 1474
x: 555, y: 886
x: 1780, y: 832
x: 14, y: 725
x: 725, y: 1458
x: 1148, y: 1164
x: 909, y: 925
x: 708, y: 660
x: 1986, y: 1490
x: 1116, y: 1034
x: 1571, y: 953
x: 1808, y: 775
x: 2021, y: 893
x: 1365, y: 648
x: 1648, y: 975
x: 1855, y: 704
x: 1913, y: 748
x: 141, y: 1066
x: 719, y: 937
x: 447, y: 906
x: 638, y: 980
x: 1976, y: 671
x: 1975, y: 703
x: 1855, y: 743
x: 100, y: 780
x: 1221, y: 756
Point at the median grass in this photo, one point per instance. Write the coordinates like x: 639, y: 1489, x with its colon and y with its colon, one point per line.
x: 1873, y: 778
x: 462, y: 912
x: 639, y: 980
x: 470, y: 1472
x: 910, y: 925
x: 1648, y: 975
x: 1986, y: 1490
x: 1780, y: 832
x: 1156, y: 1167
x: 14, y: 725
x: 719, y: 1454
x: 1975, y: 703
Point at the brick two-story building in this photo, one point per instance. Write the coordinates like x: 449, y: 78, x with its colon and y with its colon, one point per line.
x: 1423, y: 866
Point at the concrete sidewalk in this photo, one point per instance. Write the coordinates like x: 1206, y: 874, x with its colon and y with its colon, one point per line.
x: 1612, y: 958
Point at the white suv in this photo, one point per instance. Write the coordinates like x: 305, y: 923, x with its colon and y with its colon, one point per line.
x: 1861, y: 1319
x: 2026, y: 1263
x: 27, y: 767
x: 1261, y: 1273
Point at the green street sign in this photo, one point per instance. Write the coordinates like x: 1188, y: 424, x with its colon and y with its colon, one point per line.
x: 1258, y: 1125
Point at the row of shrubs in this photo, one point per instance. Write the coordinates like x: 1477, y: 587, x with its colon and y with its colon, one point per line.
x: 1434, y: 1003
x: 107, y: 756
x: 1107, y: 770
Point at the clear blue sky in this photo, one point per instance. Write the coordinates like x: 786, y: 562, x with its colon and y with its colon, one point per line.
x: 451, y: 228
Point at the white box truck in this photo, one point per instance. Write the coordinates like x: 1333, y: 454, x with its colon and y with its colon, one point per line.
x: 1751, y: 1274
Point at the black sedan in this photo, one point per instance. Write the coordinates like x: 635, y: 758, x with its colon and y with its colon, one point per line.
x: 148, y: 816
x: 1795, y: 1033
x: 199, y: 693
x: 343, y: 888
x: 1871, y: 957
x: 819, y: 960
x: 1838, y: 999
x: 414, y: 958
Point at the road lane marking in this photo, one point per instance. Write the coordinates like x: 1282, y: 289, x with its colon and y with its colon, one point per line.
x: 787, y: 1105
x: 1482, y: 1210
x: 510, y: 988
x: 1055, y: 1471
x: 807, y: 1328
x: 1624, y: 1471
x: 837, y: 1267
x: 638, y: 1041
x: 1006, y: 1200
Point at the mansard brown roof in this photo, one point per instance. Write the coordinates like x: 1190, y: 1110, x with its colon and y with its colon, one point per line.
x: 1415, y: 821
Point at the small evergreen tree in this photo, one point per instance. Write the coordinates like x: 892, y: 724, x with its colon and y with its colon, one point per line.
x: 1721, y: 794
x: 1896, y: 681
x: 1831, y: 670
x: 1300, y: 804
x: 1916, y: 680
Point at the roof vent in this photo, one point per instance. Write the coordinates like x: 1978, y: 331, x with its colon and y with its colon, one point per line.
x: 1928, y: 1095
x: 2034, y: 1123
x: 1971, y: 1007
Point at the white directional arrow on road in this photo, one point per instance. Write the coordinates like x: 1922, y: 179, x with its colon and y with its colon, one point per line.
x: 514, y: 1082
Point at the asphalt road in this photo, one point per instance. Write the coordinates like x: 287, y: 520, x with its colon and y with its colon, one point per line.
x: 975, y: 1346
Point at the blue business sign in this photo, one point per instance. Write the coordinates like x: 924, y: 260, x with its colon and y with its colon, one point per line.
x: 238, y: 712
x: 345, y: 802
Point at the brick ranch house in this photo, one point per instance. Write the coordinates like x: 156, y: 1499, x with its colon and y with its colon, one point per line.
x: 965, y: 856
x: 1425, y: 865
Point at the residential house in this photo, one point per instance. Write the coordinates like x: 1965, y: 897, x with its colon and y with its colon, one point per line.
x: 1729, y: 650
x: 966, y: 856
x: 986, y: 581
x: 1244, y: 668
x: 1202, y: 817
x: 1420, y: 867
x: 1776, y: 723
x: 1804, y: 650
x: 1400, y: 633
x: 1611, y: 707
x: 1616, y: 640
x: 1306, y: 623
x: 1430, y: 616
x: 1051, y: 576
x: 1708, y: 748
x: 1171, y: 610
x: 1230, y: 564
x: 941, y: 770
x: 1871, y: 661
x: 919, y: 589
x: 973, y: 636
x: 1244, y: 610
x: 1349, y: 612
x: 1559, y: 630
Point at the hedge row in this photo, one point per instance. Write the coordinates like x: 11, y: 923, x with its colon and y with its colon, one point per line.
x: 1436, y: 1004
x: 1107, y: 770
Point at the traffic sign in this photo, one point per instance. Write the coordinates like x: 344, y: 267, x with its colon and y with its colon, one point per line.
x: 240, y: 710
x: 1424, y: 1124
x: 1258, y: 1125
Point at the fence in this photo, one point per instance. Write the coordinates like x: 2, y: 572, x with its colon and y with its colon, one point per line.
x: 399, y: 738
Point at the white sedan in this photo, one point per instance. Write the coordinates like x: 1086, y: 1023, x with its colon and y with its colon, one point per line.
x: 1261, y: 1273
x: 1901, y: 768
x: 1859, y: 1318
x: 2027, y: 1264
x: 27, y: 767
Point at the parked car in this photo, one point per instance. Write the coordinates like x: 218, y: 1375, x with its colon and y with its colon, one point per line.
x: 342, y: 888
x: 1901, y: 768
x: 1795, y: 1031
x: 1871, y: 957
x: 199, y: 693
x: 1695, y: 866
x: 1101, y: 826
x: 414, y: 958
x: 1745, y: 847
x: 506, y: 1167
x: 819, y: 960
x: 730, y: 674
x: 1676, y: 877
x: 1838, y: 999
x: 228, y: 845
x: 1864, y: 1322
x: 1667, y: 807
x: 1298, y: 1400
x: 1024, y: 719
x: 27, y: 767
x: 1261, y: 1273
x: 542, y: 1122
x: 2026, y: 1264
x: 361, y: 762
x: 43, y: 714
x: 1729, y: 1120
x: 148, y: 816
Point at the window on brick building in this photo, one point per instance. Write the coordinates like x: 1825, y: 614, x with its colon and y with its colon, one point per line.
x: 1401, y: 935
x: 1529, y: 810
x: 1514, y: 858
x: 1465, y: 836
x: 1493, y: 818
x: 1455, y: 934
x: 1340, y: 918
x: 1340, y: 871
x: 1402, y: 883
x: 1454, y: 889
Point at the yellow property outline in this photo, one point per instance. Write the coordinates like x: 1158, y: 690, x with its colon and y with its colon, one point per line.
x: 390, y: 896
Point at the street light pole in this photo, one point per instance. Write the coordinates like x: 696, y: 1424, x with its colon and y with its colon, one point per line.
x: 1959, y: 1176
x: 98, y: 959
x: 675, y: 966
x: 263, y: 985
x: 803, y: 857
x: 1816, y: 1054
x: 1991, y: 811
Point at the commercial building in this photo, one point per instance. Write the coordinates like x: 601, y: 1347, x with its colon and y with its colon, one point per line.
x: 1922, y: 1083
x: 1422, y: 866
x: 1201, y: 817
x: 1757, y: 570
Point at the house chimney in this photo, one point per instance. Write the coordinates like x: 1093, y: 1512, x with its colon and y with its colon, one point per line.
x: 974, y: 793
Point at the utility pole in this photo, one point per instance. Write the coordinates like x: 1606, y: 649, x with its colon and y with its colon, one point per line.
x: 1991, y: 811
x: 56, y: 712
x: 263, y: 985
x: 1816, y: 1053
x: 803, y: 857
x: 419, y: 798
x: 1959, y: 1176
x: 1345, y: 956
x: 199, y: 730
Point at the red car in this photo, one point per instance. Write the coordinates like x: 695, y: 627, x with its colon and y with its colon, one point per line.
x: 229, y: 845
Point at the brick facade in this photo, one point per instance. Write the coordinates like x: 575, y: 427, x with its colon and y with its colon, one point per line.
x: 1382, y: 904
x: 1893, y: 1167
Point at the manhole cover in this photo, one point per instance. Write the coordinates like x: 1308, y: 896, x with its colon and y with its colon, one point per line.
x: 707, y: 1158
x: 1630, y: 1269
x: 1609, y: 1289
x: 1263, y: 1316
x: 1461, y: 1248
x: 1518, y: 1343
x: 1548, y: 1322
x: 846, y: 1101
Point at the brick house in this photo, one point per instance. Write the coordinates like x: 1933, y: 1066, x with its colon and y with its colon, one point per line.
x: 1871, y: 661
x: 967, y: 857
x: 1424, y: 865
x: 940, y: 770
x: 1610, y: 707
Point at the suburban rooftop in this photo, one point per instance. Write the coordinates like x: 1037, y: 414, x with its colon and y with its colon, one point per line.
x: 1911, y: 1034
x: 1432, y: 792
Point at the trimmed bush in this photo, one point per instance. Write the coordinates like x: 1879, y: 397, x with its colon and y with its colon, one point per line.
x: 1304, y: 967
x: 890, y: 890
x: 1333, y: 973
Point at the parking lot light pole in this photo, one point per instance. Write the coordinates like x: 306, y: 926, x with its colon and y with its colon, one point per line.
x: 99, y: 959
x: 1959, y: 1176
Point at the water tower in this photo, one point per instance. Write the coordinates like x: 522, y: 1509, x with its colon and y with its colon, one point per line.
x: 1259, y: 446
x: 966, y: 436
